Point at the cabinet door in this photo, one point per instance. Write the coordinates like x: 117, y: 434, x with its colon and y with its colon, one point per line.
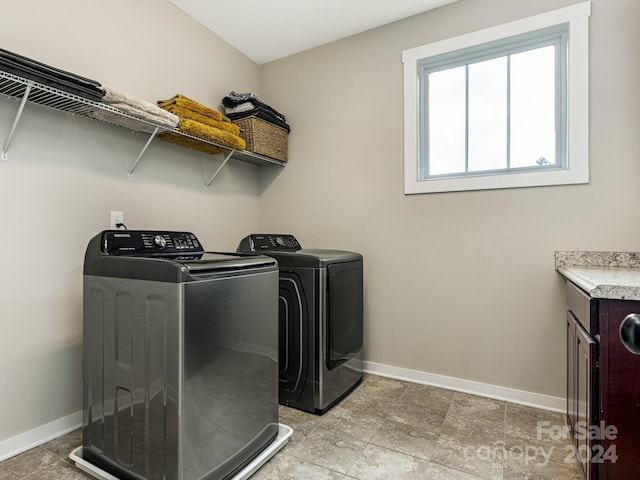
x: 571, y: 372
x: 586, y: 399
x: 582, y: 411
x: 620, y: 392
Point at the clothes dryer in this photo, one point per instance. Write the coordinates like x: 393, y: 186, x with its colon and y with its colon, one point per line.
x: 320, y: 320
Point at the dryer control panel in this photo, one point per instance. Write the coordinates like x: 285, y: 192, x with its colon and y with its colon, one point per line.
x: 259, y: 242
x: 149, y: 242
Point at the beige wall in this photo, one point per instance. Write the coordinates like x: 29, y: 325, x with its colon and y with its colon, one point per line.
x: 65, y: 174
x: 457, y: 284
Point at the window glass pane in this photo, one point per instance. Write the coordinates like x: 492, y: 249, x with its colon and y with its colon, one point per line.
x: 533, y: 108
x: 447, y: 121
x: 488, y: 115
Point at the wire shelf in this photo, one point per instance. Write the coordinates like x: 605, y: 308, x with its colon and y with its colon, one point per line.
x: 24, y: 90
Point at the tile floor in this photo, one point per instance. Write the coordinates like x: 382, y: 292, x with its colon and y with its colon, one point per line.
x: 385, y: 430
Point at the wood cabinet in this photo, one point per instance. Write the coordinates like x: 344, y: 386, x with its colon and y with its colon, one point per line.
x: 582, y: 380
x: 620, y: 394
x: 603, y: 387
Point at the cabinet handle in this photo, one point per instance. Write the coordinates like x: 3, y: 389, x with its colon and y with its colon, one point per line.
x: 630, y: 333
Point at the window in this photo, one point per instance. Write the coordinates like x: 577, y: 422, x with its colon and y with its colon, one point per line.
x: 500, y: 108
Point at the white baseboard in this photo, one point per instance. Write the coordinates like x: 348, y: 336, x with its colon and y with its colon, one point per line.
x: 39, y: 435
x: 546, y: 402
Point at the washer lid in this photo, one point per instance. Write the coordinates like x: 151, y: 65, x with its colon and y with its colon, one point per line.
x: 210, y: 261
x: 287, y: 250
x: 162, y: 256
x: 313, y: 257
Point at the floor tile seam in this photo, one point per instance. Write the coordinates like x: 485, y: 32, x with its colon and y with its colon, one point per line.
x: 61, y: 461
x: 416, y: 427
x: 504, y: 435
x: 504, y: 423
x: 313, y: 425
x: 484, y: 423
x: 398, y: 451
x: 365, y: 440
x: 434, y: 434
x: 481, y: 416
x: 393, y: 400
x: 37, y: 469
x: 30, y: 474
x: 25, y: 475
x: 416, y: 404
x: 466, y: 472
x: 450, y: 405
x: 291, y: 445
x: 512, y: 439
x: 306, y: 460
x: 57, y: 454
x: 413, y: 457
x: 368, y: 441
x: 421, y: 405
x: 368, y: 438
x: 572, y: 466
x: 40, y: 470
x: 444, y: 419
x: 303, y: 442
x: 390, y: 411
x: 439, y: 435
x: 331, y: 431
x: 310, y: 462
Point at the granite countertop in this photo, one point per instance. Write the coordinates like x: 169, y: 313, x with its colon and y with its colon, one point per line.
x: 612, y: 275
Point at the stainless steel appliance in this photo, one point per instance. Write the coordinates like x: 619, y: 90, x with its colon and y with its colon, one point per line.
x: 321, y: 320
x: 180, y: 367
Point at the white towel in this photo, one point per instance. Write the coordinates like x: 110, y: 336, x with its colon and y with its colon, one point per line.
x: 139, y: 108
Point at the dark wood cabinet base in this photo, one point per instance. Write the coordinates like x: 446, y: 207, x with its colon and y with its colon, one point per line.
x: 603, y: 387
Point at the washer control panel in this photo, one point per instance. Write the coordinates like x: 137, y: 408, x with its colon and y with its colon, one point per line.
x: 149, y: 242
x: 258, y: 242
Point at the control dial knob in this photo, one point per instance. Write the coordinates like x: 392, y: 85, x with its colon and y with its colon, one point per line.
x: 160, y: 241
x: 280, y: 241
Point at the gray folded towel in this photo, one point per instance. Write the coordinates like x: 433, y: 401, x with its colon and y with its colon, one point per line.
x: 140, y: 108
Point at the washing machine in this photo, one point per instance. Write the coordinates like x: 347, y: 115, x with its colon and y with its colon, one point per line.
x: 180, y: 357
x: 320, y: 320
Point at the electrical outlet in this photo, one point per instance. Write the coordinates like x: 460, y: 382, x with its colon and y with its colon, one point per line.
x: 116, y: 218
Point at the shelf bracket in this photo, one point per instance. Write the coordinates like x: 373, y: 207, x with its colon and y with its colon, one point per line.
x: 4, y: 154
x: 215, y: 174
x: 144, y: 149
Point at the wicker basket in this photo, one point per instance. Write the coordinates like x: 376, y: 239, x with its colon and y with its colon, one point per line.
x: 264, y: 137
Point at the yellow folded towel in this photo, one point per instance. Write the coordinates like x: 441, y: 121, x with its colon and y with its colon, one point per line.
x: 185, y: 102
x: 185, y: 113
x: 204, y: 132
x: 212, y: 134
x: 191, y: 143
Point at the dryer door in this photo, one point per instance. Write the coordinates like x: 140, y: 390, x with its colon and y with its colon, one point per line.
x: 294, y: 336
x: 344, y: 312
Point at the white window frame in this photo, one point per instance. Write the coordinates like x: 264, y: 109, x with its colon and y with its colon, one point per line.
x: 576, y: 169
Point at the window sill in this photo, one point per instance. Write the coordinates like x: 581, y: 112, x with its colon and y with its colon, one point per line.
x: 576, y: 175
